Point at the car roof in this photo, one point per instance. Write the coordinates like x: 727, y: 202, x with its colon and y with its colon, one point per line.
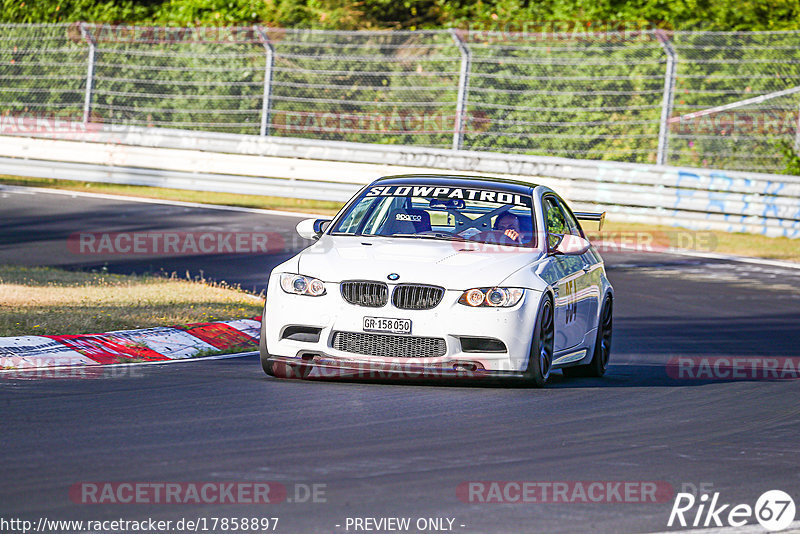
x: 456, y: 180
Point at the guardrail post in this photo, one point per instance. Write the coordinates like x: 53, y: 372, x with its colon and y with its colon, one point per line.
x: 87, y: 99
x: 463, y: 90
x: 266, y: 102
x: 668, y: 98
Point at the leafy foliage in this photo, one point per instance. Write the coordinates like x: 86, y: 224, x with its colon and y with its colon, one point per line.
x: 412, y: 14
x: 791, y: 157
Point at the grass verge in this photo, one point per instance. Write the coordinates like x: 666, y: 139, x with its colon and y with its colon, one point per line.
x: 758, y: 246
x: 737, y: 244
x: 43, y: 300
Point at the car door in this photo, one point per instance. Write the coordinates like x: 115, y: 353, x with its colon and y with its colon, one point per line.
x: 589, y: 284
x: 570, y: 326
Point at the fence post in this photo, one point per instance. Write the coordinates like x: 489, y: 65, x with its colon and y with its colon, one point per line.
x: 668, y: 98
x: 87, y: 99
x: 463, y: 90
x: 797, y: 133
x: 267, y: 98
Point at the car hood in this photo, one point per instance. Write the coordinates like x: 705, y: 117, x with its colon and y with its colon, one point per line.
x: 450, y: 264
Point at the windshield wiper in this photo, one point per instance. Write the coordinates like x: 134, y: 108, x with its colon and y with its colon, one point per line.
x: 447, y: 237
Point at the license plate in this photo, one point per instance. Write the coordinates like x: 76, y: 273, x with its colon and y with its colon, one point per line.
x: 387, y: 324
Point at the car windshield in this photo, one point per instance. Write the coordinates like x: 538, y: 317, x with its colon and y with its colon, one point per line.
x: 443, y: 213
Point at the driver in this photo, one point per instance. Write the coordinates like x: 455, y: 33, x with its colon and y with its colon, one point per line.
x: 508, y: 223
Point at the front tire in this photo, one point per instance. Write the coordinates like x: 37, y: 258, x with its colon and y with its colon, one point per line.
x: 540, y: 359
x: 279, y: 369
x: 266, y: 364
x: 602, y: 346
x: 284, y: 370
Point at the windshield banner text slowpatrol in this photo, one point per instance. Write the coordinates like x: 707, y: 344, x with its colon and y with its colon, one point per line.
x: 463, y: 193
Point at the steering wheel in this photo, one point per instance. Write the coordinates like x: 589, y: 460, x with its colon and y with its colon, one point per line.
x: 439, y: 232
x: 497, y: 237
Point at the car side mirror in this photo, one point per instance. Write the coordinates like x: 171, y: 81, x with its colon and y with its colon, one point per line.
x: 570, y: 245
x: 312, y: 228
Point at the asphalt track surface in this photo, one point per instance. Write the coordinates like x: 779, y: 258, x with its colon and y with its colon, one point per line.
x: 401, y: 449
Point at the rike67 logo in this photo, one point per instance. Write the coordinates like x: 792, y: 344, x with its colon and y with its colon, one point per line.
x: 774, y: 510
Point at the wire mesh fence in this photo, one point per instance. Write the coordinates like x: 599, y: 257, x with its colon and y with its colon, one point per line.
x: 598, y: 99
x: 729, y: 71
x: 42, y: 69
x: 682, y: 98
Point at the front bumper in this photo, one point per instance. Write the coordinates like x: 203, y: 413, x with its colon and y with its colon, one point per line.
x: 449, y: 321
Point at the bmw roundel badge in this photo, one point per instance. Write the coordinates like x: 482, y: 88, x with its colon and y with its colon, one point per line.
x: 393, y: 277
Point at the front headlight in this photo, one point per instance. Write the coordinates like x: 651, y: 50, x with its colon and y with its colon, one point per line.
x: 297, y: 284
x: 494, y: 297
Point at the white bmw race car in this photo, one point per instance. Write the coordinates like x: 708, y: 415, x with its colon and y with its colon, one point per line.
x: 437, y: 275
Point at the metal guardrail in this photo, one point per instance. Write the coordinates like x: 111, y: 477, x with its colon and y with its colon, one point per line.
x: 332, y: 170
x: 90, y: 172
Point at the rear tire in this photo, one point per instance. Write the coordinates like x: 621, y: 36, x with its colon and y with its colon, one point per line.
x: 602, y: 346
x: 540, y: 359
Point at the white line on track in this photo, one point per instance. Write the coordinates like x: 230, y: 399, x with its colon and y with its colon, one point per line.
x: 726, y: 257
x: 23, y: 190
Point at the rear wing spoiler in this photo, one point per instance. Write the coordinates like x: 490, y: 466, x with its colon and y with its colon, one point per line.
x: 598, y: 217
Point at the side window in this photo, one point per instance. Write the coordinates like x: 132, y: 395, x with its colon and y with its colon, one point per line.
x: 351, y: 221
x: 556, y: 224
x: 572, y: 222
x: 377, y: 220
